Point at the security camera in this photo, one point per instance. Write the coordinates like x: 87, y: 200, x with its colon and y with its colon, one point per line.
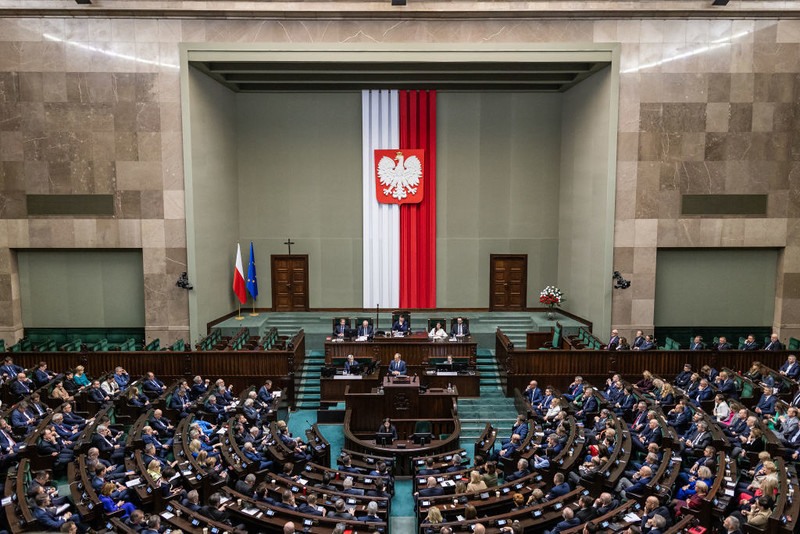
x: 183, y: 282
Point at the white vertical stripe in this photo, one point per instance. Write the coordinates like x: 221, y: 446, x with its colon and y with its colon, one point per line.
x: 381, y: 256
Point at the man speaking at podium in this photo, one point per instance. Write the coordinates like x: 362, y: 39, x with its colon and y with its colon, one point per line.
x: 397, y: 367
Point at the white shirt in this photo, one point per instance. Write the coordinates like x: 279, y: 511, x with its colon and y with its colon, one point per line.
x: 722, y: 411
x: 437, y: 333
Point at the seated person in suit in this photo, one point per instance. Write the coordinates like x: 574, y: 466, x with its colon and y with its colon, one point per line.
x: 372, y: 513
x: 429, y: 468
x: 347, y: 487
x: 533, y: 393
x: 310, y: 507
x: 9, y: 369
x: 388, y: 428
x: 341, y: 328
x: 723, y: 344
x: 350, y: 363
x: 45, y: 514
x: 397, y: 367
x: 750, y: 343
x: 648, y: 344
x: 22, y: 419
x: 42, y: 375
x: 521, y: 472
x: 431, y: 489
x: 774, y: 343
x: 613, y: 341
x: 560, y: 487
x: 460, y: 328
x: 766, y: 404
x: 790, y: 369
x: 23, y: 385
x: 569, y: 521
x: 365, y: 330
x: 437, y: 332
x: 520, y: 428
x: 400, y: 326
x: 153, y: 385
x: 698, y: 344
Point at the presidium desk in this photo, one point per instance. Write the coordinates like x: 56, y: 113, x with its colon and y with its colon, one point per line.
x: 410, y: 410
x: 416, y: 351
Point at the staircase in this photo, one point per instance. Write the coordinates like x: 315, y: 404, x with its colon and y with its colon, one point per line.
x: 492, y: 407
x: 308, y: 393
x: 515, y: 327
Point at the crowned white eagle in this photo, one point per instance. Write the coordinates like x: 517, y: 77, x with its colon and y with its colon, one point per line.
x: 398, y: 179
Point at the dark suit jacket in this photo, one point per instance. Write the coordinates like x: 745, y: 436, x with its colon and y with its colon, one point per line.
x: 431, y: 492
x: 516, y: 475
x: 365, y: 331
x: 750, y: 346
x: 774, y: 345
x: 306, y: 508
x: 397, y: 327
x: 397, y: 366
x: 464, y: 329
x: 767, y: 405
x: 613, y: 343
x: 21, y: 388
x: 340, y: 329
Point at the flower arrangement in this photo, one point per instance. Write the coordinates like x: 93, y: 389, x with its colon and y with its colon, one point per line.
x: 551, y: 297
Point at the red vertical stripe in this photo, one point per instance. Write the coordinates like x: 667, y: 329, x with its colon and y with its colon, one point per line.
x: 418, y: 221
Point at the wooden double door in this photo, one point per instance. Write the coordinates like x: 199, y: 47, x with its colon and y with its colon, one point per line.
x: 508, y: 285
x: 289, y: 282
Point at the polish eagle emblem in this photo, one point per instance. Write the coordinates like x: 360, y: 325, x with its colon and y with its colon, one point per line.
x: 399, y: 175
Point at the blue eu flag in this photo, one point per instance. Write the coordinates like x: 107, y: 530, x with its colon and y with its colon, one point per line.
x: 252, y: 283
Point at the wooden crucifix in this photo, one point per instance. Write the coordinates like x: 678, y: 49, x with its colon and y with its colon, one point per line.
x: 289, y: 244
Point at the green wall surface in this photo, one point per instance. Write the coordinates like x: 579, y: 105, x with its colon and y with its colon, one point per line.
x: 720, y: 287
x: 586, y: 227
x: 81, y: 288
x: 497, y: 187
x: 299, y: 160
x: 214, y: 200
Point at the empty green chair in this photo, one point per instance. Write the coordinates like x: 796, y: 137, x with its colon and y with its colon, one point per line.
x: 153, y: 346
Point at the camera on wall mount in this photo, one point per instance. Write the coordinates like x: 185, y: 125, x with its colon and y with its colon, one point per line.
x: 619, y: 282
x: 183, y: 282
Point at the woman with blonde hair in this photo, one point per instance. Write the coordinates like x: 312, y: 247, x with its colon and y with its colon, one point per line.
x: 80, y: 377
x: 434, y: 516
x: 476, y: 483
x: 666, y: 395
x: 194, y: 447
x: 519, y: 502
x: 109, y: 506
x: 154, y: 469
x: 646, y: 383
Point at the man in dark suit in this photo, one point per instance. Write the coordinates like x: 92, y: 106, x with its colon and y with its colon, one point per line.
x: 460, y: 328
x: 96, y: 393
x: 652, y: 508
x: 365, y: 330
x: 8, y: 445
x: 45, y: 514
x: 683, y: 378
x: 774, y: 343
x: 560, y: 487
x: 429, y: 468
x: 533, y: 393
x: 199, y: 387
x: 397, y: 366
x: 723, y: 344
x: 372, y: 513
x: 590, y: 405
x: 341, y: 329
x: 766, y: 404
x: 350, y: 364
x: 521, y: 472
x: 400, y: 325
x: 520, y: 428
x: 180, y: 402
x: 680, y: 417
x: 107, y: 445
x: 431, y: 489
x: 22, y: 419
x: 791, y: 368
x: 161, y: 424
x: 245, y: 487
x: 340, y: 512
x: 638, y: 485
x: 192, y: 501
x: 41, y: 375
x: 613, y: 343
x: 70, y: 418
x: 586, y: 511
x: 701, y: 439
x: 310, y: 506
x: 731, y: 525
x: 22, y: 386
x: 648, y: 344
x: 152, y: 385
x: 750, y: 343
x: 9, y: 369
x: 569, y: 521
x: 698, y: 344
x: 638, y: 340
x: 651, y: 434
x: 625, y: 402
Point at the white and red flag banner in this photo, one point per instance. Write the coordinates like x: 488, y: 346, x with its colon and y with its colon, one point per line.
x: 399, y: 186
x: 238, y: 277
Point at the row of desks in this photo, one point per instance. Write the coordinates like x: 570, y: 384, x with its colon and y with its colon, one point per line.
x: 332, y: 389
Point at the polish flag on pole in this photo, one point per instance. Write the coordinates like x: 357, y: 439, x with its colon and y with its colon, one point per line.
x: 238, y: 277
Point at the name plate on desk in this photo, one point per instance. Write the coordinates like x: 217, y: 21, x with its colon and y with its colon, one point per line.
x: 347, y: 377
x: 446, y: 373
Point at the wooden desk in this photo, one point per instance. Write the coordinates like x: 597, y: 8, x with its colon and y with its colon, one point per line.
x: 415, y: 350
x: 467, y: 385
x: 332, y: 389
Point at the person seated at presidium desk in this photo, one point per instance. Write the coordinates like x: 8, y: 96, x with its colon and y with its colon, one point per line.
x: 437, y: 332
x: 459, y: 328
x: 397, y: 367
x: 365, y: 330
x: 341, y: 328
x: 400, y: 325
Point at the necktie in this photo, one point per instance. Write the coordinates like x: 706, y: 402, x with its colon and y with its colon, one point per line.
x: 11, y: 441
x: 459, y: 329
x: 796, y: 436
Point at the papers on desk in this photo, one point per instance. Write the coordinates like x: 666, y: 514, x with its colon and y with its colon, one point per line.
x: 448, y: 483
x: 630, y: 517
x: 6, y: 501
x: 302, y: 481
x: 347, y: 377
x: 276, y: 394
x: 133, y: 482
x: 187, y: 473
x: 223, y: 500
x: 250, y: 511
x: 167, y: 515
x: 729, y: 492
x: 61, y: 509
x: 446, y: 373
x: 398, y: 334
x: 460, y: 517
x: 362, y: 338
x: 221, y: 431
